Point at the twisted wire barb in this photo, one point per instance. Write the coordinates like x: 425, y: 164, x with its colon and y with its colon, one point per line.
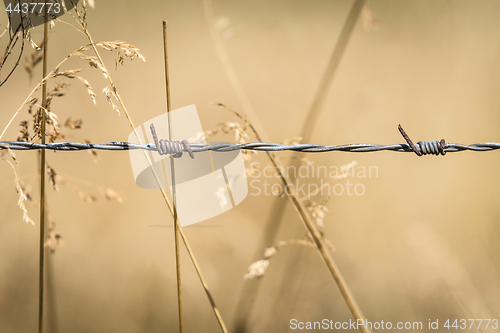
x: 424, y: 146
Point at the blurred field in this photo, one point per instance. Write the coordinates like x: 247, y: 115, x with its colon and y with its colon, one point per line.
x: 421, y: 243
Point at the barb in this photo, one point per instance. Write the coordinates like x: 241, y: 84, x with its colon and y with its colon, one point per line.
x: 416, y: 150
x: 425, y: 147
x: 170, y: 147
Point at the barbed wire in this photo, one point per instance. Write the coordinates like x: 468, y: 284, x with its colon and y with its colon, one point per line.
x: 433, y: 147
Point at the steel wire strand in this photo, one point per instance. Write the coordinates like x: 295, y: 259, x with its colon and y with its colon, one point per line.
x: 258, y: 146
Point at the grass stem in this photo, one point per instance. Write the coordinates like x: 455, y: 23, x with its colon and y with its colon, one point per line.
x: 176, y: 220
x: 163, y: 192
x: 313, y: 232
x: 42, y: 179
x: 248, y: 297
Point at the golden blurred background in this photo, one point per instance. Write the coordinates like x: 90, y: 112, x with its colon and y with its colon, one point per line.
x: 420, y: 244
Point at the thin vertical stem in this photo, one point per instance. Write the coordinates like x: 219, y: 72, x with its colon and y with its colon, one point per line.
x: 248, y: 297
x: 162, y: 191
x: 169, y: 106
x: 42, y: 179
x: 315, y: 235
x: 51, y: 308
x: 176, y: 220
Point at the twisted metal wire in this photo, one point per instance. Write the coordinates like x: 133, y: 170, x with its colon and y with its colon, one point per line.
x: 165, y: 147
x: 424, y: 146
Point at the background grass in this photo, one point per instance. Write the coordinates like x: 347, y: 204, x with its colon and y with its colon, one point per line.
x: 421, y: 243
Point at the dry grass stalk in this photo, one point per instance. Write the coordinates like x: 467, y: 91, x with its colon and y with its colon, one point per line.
x: 42, y: 181
x: 23, y: 196
x: 19, y: 33
x: 43, y: 118
x: 317, y: 211
x: 247, y: 299
x: 111, y: 92
x: 122, y: 49
x: 174, y: 199
x: 315, y: 235
x: 83, y: 25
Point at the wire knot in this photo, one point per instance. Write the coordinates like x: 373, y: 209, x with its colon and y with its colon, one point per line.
x: 432, y: 147
x: 176, y: 148
x: 424, y: 147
